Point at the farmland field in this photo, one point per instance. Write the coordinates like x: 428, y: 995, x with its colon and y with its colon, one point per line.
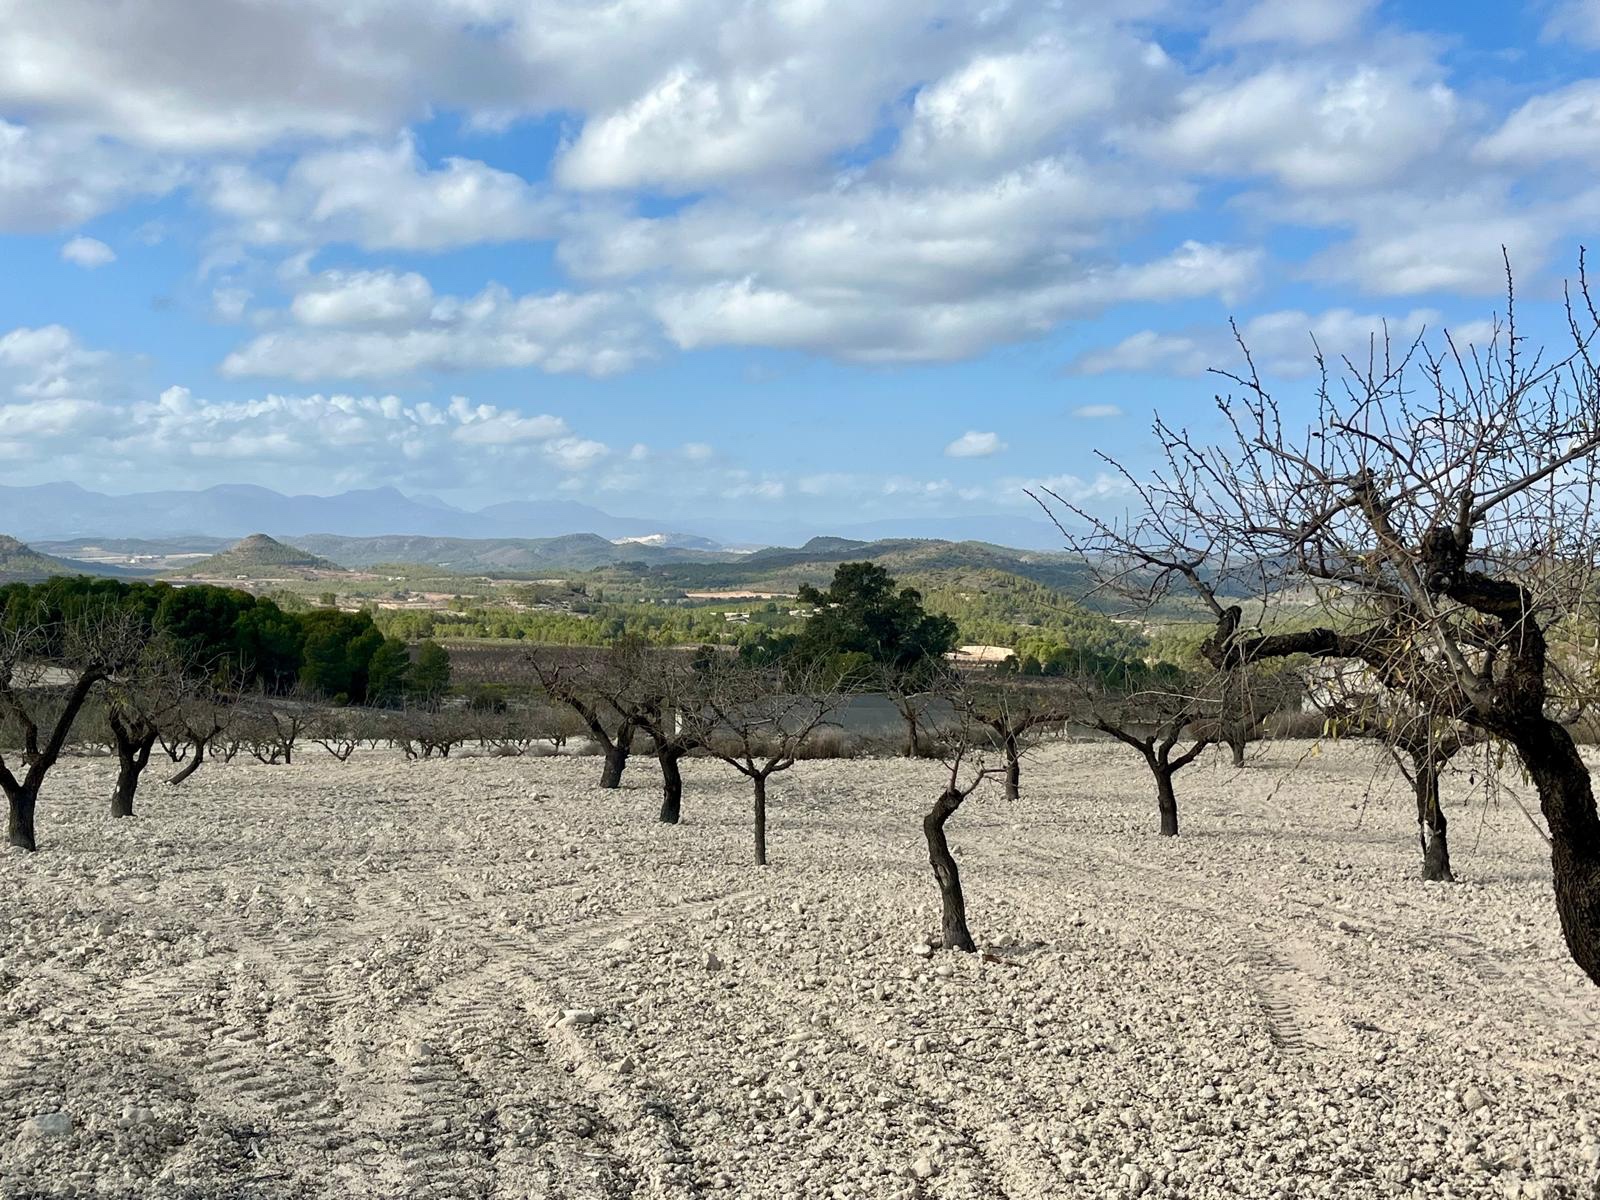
x: 485, y: 977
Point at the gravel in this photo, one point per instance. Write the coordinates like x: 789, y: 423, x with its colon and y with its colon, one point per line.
x: 392, y: 979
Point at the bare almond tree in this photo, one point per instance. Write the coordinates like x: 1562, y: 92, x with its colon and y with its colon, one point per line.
x: 602, y: 689
x: 1016, y: 711
x: 50, y: 664
x: 1439, y: 504
x: 968, y: 768
x: 759, y: 720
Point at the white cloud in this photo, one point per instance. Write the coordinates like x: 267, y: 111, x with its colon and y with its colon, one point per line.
x: 372, y: 325
x: 382, y: 197
x: 1002, y: 108
x: 759, y: 91
x: 974, y: 444
x: 1561, y: 124
x: 57, y: 180
x: 1283, y: 343
x: 343, y: 298
x: 1574, y: 20
x: 87, y: 252
x: 1097, y: 412
x: 1300, y: 23
x: 1310, y: 125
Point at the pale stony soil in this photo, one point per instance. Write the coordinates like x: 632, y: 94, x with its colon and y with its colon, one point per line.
x: 332, y: 980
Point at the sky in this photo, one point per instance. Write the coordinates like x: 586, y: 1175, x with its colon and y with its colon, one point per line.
x: 767, y: 259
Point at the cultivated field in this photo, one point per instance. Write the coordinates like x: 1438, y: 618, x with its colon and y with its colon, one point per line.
x: 332, y: 980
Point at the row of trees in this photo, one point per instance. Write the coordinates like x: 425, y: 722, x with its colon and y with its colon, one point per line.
x: 165, y: 660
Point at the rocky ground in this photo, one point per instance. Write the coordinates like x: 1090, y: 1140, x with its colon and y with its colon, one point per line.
x: 487, y: 978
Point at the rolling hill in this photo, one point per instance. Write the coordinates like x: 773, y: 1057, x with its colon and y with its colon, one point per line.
x: 502, y: 556
x: 20, y: 563
x: 261, y: 557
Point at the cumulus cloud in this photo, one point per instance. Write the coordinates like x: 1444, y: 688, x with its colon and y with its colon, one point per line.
x: 974, y: 444
x: 1309, y: 124
x: 87, y: 252
x: 1303, y: 23
x: 1283, y: 343
x: 1003, y: 108
x: 1561, y: 124
x: 382, y: 325
x: 56, y: 180
x: 381, y: 197
x: 363, y: 298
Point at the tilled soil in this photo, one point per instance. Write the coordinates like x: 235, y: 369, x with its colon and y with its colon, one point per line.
x: 485, y: 977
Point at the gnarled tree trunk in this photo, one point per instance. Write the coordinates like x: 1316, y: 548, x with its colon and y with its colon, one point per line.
x: 617, y: 752
x: 1431, y: 826
x: 1166, y: 799
x: 956, y: 935
x: 193, y: 764
x: 1013, y: 752
x: 133, y: 755
x: 19, y: 818
x: 1566, y: 797
x: 671, y: 786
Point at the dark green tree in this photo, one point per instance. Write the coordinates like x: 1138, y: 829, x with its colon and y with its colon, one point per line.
x: 430, y: 674
x: 863, y: 613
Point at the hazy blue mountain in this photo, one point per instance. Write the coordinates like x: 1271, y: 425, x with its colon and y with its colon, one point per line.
x: 60, y: 512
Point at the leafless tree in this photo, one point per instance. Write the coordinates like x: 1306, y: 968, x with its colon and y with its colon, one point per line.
x: 138, y: 701
x: 602, y: 689
x: 1015, y: 710
x: 968, y: 766
x: 201, y: 716
x: 1440, y: 503
x: 49, y: 666
x: 1420, y: 744
x: 758, y: 720
x: 665, y: 686
x: 339, y: 730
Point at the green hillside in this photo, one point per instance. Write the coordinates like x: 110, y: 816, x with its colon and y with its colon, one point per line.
x: 259, y: 557
x: 20, y: 563
x: 498, y: 556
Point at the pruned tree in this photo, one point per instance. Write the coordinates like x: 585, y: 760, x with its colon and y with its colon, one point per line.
x: 758, y: 720
x: 1015, y: 711
x: 1420, y: 744
x: 1440, y: 503
x: 201, y: 716
x: 138, y: 701
x: 665, y: 687
x: 601, y: 689
x: 51, y: 660
x: 967, y: 768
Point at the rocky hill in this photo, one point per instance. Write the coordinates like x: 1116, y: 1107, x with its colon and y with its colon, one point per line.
x: 261, y: 557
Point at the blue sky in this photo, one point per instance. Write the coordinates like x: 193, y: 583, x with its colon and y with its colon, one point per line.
x: 796, y: 258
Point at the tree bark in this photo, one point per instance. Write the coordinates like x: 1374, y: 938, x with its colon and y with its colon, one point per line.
x: 1236, y: 743
x: 1013, y: 766
x: 133, y: 756
x: 19, y: 819
x: 1566, y: 797
x: 1431, y: 826
x: 193, y: 764
x: 671, y: 786
x: 761, y: 820
x: 1166, y: 800
x: 956, y: 935
x: 617, y: 758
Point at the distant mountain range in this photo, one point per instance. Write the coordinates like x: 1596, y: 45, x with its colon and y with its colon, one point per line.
x: 61, y: 512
